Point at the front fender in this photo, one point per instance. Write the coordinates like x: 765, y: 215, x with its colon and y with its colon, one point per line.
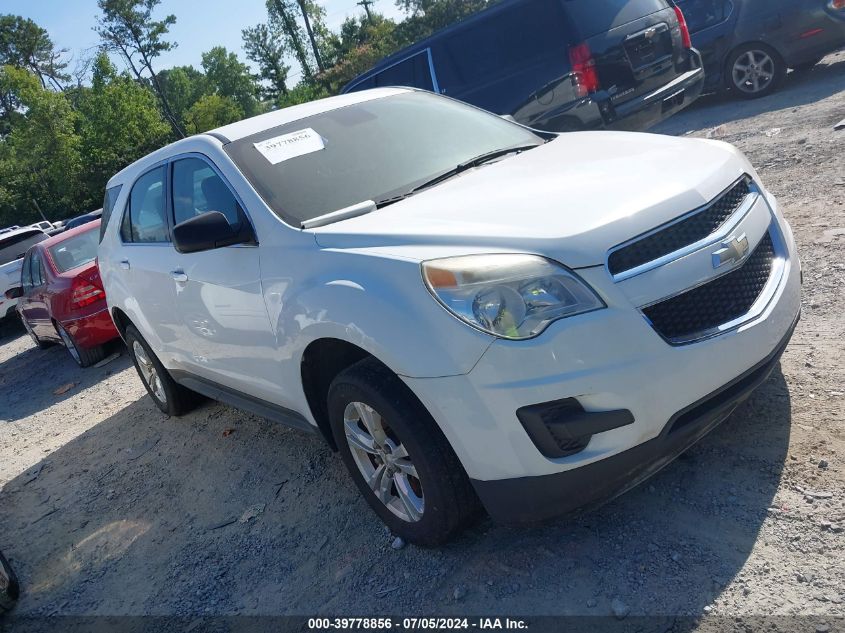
x: 378, y: 303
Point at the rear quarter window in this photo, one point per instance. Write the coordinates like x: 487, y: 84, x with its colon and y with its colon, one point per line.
x: 109, y: 203
x: 507, y: 40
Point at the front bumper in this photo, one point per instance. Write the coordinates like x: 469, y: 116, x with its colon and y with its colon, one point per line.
x: 609, y: 360
x: 92, y: 330
x: 527, y: 499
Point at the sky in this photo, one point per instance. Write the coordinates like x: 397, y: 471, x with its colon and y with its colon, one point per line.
x: 200, y: 24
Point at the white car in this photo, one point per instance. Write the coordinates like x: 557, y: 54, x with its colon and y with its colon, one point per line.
x: 472, y: 313
x: 13, y: 246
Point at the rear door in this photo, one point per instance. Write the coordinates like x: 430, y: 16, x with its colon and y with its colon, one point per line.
x: 636, y: 44
x: 147, y: 259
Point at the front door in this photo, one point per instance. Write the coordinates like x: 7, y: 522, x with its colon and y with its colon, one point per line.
x: 225, y: 331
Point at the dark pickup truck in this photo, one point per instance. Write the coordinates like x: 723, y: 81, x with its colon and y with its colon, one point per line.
x: 558, y: 65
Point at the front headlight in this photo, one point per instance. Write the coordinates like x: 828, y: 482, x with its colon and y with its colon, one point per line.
x: 512, y: 296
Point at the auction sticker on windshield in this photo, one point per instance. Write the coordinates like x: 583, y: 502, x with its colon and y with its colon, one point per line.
x: 287, y: 146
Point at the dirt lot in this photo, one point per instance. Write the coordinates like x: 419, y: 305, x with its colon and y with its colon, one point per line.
x: 107, y: 507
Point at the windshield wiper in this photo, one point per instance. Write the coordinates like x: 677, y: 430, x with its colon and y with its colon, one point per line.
x: 472, y: 162
x: 454, y: 171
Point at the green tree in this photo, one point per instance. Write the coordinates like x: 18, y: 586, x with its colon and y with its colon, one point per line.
x: 40, y: 159
x: 127, y: 27
x: 362, y: 43
x: 183, y: 86
x: 212, y: 111
x: 427, y: 16
x: 24, y: 44
x: 229, y: 77
x: 119, y: 123
x: 282, y: 16
x: 265, y: 48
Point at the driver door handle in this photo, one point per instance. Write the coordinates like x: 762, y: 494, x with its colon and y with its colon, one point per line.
x: 124, y: 264
x: 179, y: 275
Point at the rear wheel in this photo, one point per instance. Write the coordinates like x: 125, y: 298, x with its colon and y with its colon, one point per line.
x: 9, y: 588
x: 754, y: 70
x: 398, y: 457
x: 169, y: 396
x: 84, y: 357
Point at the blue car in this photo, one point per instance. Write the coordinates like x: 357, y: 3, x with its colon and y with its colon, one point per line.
x: 747, y: 45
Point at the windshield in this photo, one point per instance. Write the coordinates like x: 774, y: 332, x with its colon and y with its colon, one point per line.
x: 367, y: 151
x: 15, y: 246
x: 75, y: 251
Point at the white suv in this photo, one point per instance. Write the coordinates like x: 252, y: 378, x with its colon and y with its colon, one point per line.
x: 468, y: 311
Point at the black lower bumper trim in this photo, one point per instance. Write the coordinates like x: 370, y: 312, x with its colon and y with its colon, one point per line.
x: 529, y: 499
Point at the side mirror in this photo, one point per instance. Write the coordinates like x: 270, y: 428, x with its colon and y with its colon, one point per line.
x: 14, y: 293
x: 207, y: 231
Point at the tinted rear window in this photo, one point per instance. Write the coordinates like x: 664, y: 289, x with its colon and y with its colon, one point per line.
x: 506, y: 41
x: 75, y: 251
x: 15, y: 246
x: 598, y: 16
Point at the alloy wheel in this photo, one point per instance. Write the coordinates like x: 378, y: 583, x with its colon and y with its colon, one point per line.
x: 753, y: 71
x: 149, y: 373
x: 70, y: 345
x: 383, y: 461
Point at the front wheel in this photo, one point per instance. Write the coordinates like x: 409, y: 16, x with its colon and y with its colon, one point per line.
x: 754, y: 71
x: 398, y: 457
x: 169, y: 396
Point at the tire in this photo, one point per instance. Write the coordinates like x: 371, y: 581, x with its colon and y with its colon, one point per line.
x: 439, y: 501
x: 9, y: 587
x: 169, y: 396
x: 806, y: 66
x: 84, y: 357
x: 762, y: 67
x: 38, y: 342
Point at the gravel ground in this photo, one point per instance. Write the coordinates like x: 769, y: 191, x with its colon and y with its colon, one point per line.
x: 108, y: 507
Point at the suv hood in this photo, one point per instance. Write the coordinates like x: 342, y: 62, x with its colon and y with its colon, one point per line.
x: 571, y: 199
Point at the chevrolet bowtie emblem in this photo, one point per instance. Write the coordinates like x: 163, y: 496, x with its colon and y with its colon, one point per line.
x: 732, y: 250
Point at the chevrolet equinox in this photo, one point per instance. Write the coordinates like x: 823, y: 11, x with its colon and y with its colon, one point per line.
x: 474, y: 314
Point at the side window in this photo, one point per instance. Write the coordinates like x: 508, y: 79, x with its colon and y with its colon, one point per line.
x: 26, y: 273
x: 108, y: 207
x: 197, y: 189
x: 37, y: 269
x: 701, y: 14
x: 145, y: 220
x: 413, y: 71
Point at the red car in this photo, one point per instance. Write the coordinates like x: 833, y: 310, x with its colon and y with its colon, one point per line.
x: 61, y: 297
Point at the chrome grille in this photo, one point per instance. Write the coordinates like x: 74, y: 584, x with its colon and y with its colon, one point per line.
x: 691, y: 314
x: 680, y: 234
